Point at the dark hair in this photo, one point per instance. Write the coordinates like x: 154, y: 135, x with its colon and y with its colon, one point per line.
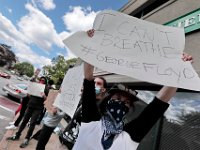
x: 104, y: 81
x: 45, y: 79
x: 50, y: 82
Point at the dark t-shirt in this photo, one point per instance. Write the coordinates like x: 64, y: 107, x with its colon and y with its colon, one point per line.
x: 38, y: 102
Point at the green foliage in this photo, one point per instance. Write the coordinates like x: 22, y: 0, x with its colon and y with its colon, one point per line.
x: 24, y: 68
x: 7, y: 56
x: 58, y: 69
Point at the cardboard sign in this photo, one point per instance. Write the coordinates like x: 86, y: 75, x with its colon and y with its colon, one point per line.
x: 70, y: 94
x: 136, y: 48
x: 35, y: 89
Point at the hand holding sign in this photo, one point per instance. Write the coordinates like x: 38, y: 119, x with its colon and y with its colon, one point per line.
x: 36, y: 89
x: 187, y: 57
x: 69, y: 96
x: 136, y: 48
x: 48, y: 104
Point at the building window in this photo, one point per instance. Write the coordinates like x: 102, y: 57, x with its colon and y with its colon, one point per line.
x: 149, y: 6
x: 180, y: 127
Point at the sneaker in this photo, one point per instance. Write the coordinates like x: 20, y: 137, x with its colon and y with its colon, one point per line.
x: 28, y: 124
x: 11, y: 123
x: 24, y: 143
x: 13, y: 138
x: 11, y: 127
x: 56, y: 130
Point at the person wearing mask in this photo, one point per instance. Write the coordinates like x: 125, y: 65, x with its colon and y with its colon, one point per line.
x: 105, y: 129
x: 68, y: 137
x: 34, y: 109
x: 21, y: 109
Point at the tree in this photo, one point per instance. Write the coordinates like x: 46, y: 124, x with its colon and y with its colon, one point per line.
x: 24, y: 68
x: 7, y: 57
x: 59, y: 67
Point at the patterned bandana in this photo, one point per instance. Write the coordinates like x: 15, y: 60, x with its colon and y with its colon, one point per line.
x: 113, y: 121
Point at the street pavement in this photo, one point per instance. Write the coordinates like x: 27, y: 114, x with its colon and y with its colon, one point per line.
x: 5, y: 117
x: 8, y: 106
x: 53, y: 143
x: 12, y: 80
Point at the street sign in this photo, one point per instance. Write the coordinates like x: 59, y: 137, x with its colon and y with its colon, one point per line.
x: 190, y: 22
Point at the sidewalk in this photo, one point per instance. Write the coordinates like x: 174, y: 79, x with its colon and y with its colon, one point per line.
x: 53, y: 143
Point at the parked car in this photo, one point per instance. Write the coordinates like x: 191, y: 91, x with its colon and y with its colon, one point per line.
x: 26, y: 78
x: 5, y: 75
x: 20, y: 78
x: 16, y: 90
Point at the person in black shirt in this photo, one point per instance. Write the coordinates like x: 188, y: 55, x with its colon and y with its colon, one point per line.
x: 34, y: 109
x: 68, y: 136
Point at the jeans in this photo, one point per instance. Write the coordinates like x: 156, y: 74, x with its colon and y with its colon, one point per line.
x: 44, y: 137
x: 33, y: 114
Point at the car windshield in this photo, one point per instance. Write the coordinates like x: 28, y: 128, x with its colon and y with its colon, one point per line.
x: 22, y: 86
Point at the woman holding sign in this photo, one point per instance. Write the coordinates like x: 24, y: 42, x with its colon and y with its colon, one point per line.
x: 34, y: 110
x: 105, y: 129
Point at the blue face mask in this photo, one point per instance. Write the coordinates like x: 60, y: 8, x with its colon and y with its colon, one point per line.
x: 97, y: 90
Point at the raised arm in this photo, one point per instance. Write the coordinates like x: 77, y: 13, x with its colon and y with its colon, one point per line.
x: 139, y: 127
x: 89, y: 107
x: 88, y: 71
x: 166, y: 93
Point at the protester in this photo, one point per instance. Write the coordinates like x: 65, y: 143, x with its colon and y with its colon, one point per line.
x: 69, y: 135
x: 14, y: 125
x: 46, y: 91
x: 50, y: 123
x: 34, y: 109
x: 22, y: 109
x: 105, y: 129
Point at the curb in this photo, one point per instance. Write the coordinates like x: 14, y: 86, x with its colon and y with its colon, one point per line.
x: 53, y: 144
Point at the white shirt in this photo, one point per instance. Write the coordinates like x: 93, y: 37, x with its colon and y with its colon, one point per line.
x: 90, y: 135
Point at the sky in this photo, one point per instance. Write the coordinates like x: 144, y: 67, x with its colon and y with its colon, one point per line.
x: 182, y: 103
x: 35, y: 28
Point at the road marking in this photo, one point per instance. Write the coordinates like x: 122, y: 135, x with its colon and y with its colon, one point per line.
x: 7, y: 109
x: 4, y: 118
x: 1, y: 96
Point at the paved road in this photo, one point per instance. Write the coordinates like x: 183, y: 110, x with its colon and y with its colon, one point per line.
x: 7, y: 109
x: 8, y: 105
x: 12, y: 80
x: 6, y: 114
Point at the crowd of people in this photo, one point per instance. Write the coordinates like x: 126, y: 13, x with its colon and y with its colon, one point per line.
x: 32, y: 112
x: 100, y: 115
